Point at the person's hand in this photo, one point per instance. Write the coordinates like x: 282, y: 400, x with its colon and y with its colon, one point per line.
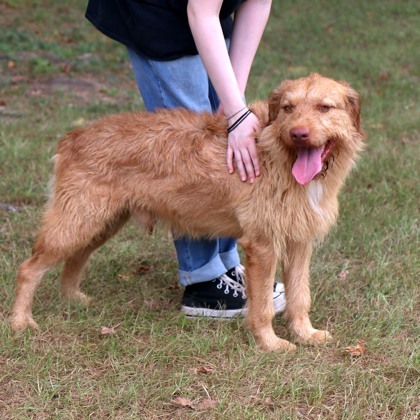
x: 242, y: 149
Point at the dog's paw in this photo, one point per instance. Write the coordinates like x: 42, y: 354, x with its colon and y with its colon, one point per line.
x: 22, y: 322
x: 76, y: 296
x: 277, y: 345
x: 314, y: 337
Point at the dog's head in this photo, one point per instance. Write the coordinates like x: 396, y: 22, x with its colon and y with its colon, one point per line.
x: 316, y: 118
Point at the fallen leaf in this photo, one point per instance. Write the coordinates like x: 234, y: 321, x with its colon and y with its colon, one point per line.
x: 343, y: 275
x: 265, y: 401
x: 142, y: 269
x: 202, y: 405
x: 183, y: 401
x: 205, y: 405
x: 356, y: 351
x: 203, y: 369
x: 108, y: 331
x: 11, y: 64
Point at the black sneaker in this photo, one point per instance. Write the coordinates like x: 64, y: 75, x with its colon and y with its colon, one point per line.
x: 224, y: 297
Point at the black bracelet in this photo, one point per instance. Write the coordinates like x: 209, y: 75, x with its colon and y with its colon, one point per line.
x: 238, y: 121
x: 236, y: 113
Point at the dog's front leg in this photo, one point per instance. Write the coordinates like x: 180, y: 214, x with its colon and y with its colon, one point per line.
x: 296, y: 282
x: 259, y: 275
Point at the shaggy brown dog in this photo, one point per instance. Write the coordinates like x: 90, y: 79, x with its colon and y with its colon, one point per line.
x: 170, y: 165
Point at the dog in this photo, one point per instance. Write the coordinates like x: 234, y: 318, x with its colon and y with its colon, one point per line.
x: 170, y: 165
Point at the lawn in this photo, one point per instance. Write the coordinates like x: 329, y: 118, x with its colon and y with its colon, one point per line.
x: 130, y: 353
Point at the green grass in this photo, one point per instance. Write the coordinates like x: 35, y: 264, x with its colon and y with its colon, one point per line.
x: 57, y: 72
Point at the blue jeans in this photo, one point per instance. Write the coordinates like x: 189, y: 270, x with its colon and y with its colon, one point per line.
x: 185, y: 83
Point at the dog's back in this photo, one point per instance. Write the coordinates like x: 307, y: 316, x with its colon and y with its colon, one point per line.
x: 170, y: 164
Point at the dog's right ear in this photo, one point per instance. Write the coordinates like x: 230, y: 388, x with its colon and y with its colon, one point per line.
x: 354, y: 105
x: 274, y: 104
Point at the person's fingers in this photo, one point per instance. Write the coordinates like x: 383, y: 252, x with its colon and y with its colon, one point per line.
x: 248, y: 165
x: 252, y: 150
x: 246, y: 159
x: 229, y: 160
x: 240, y: 166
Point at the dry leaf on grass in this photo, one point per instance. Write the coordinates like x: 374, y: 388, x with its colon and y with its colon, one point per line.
x: 143, y: 268
x: 205, y: 405
x: 108, y: 331
x: 266, y: 401
x: 183, y: 401
x: 203, y: 369
x: 202, y: 405
x: 356, y: 351
x: 343, y: 275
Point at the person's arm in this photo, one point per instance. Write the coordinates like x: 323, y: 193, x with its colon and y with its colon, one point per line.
x: 250, y: 22
x: 229, y: 78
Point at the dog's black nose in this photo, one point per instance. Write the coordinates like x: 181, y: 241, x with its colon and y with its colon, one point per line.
x: 299, y: 135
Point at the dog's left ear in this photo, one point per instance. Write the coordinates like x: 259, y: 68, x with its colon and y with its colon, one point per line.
x: 274, y: 104
x: 354, y: 106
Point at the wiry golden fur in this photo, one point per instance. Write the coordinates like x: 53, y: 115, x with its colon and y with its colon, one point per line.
x: 170, y: 165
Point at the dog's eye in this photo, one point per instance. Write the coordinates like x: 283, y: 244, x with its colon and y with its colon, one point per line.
x: 288, y: 109
x: 324, y: 108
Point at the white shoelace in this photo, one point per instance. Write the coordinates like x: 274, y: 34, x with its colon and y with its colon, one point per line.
x: 239, y: 274
x: 231, y: 284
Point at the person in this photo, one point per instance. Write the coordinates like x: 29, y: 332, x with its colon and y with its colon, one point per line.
x: 193, y: 54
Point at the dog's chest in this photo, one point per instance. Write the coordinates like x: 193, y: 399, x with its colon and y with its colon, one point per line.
x: 314, y: 196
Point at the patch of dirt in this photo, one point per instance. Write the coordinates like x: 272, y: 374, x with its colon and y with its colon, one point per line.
x: 78, y: 86
x: 84, y: 87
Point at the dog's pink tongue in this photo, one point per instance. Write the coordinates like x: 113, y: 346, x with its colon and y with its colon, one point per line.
x: 308, y: 164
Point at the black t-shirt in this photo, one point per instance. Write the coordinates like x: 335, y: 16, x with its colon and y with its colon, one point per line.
x: 158, y: 29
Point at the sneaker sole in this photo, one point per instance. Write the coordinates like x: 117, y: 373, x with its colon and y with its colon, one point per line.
x: 192, y: 312
x: 279, y: 303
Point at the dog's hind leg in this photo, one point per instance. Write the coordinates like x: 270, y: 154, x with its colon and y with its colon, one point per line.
x: 259, y: 276
x: 65, y: 232
x: 29, y: 276
x: 296, y: 282
x: 74, y: 265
